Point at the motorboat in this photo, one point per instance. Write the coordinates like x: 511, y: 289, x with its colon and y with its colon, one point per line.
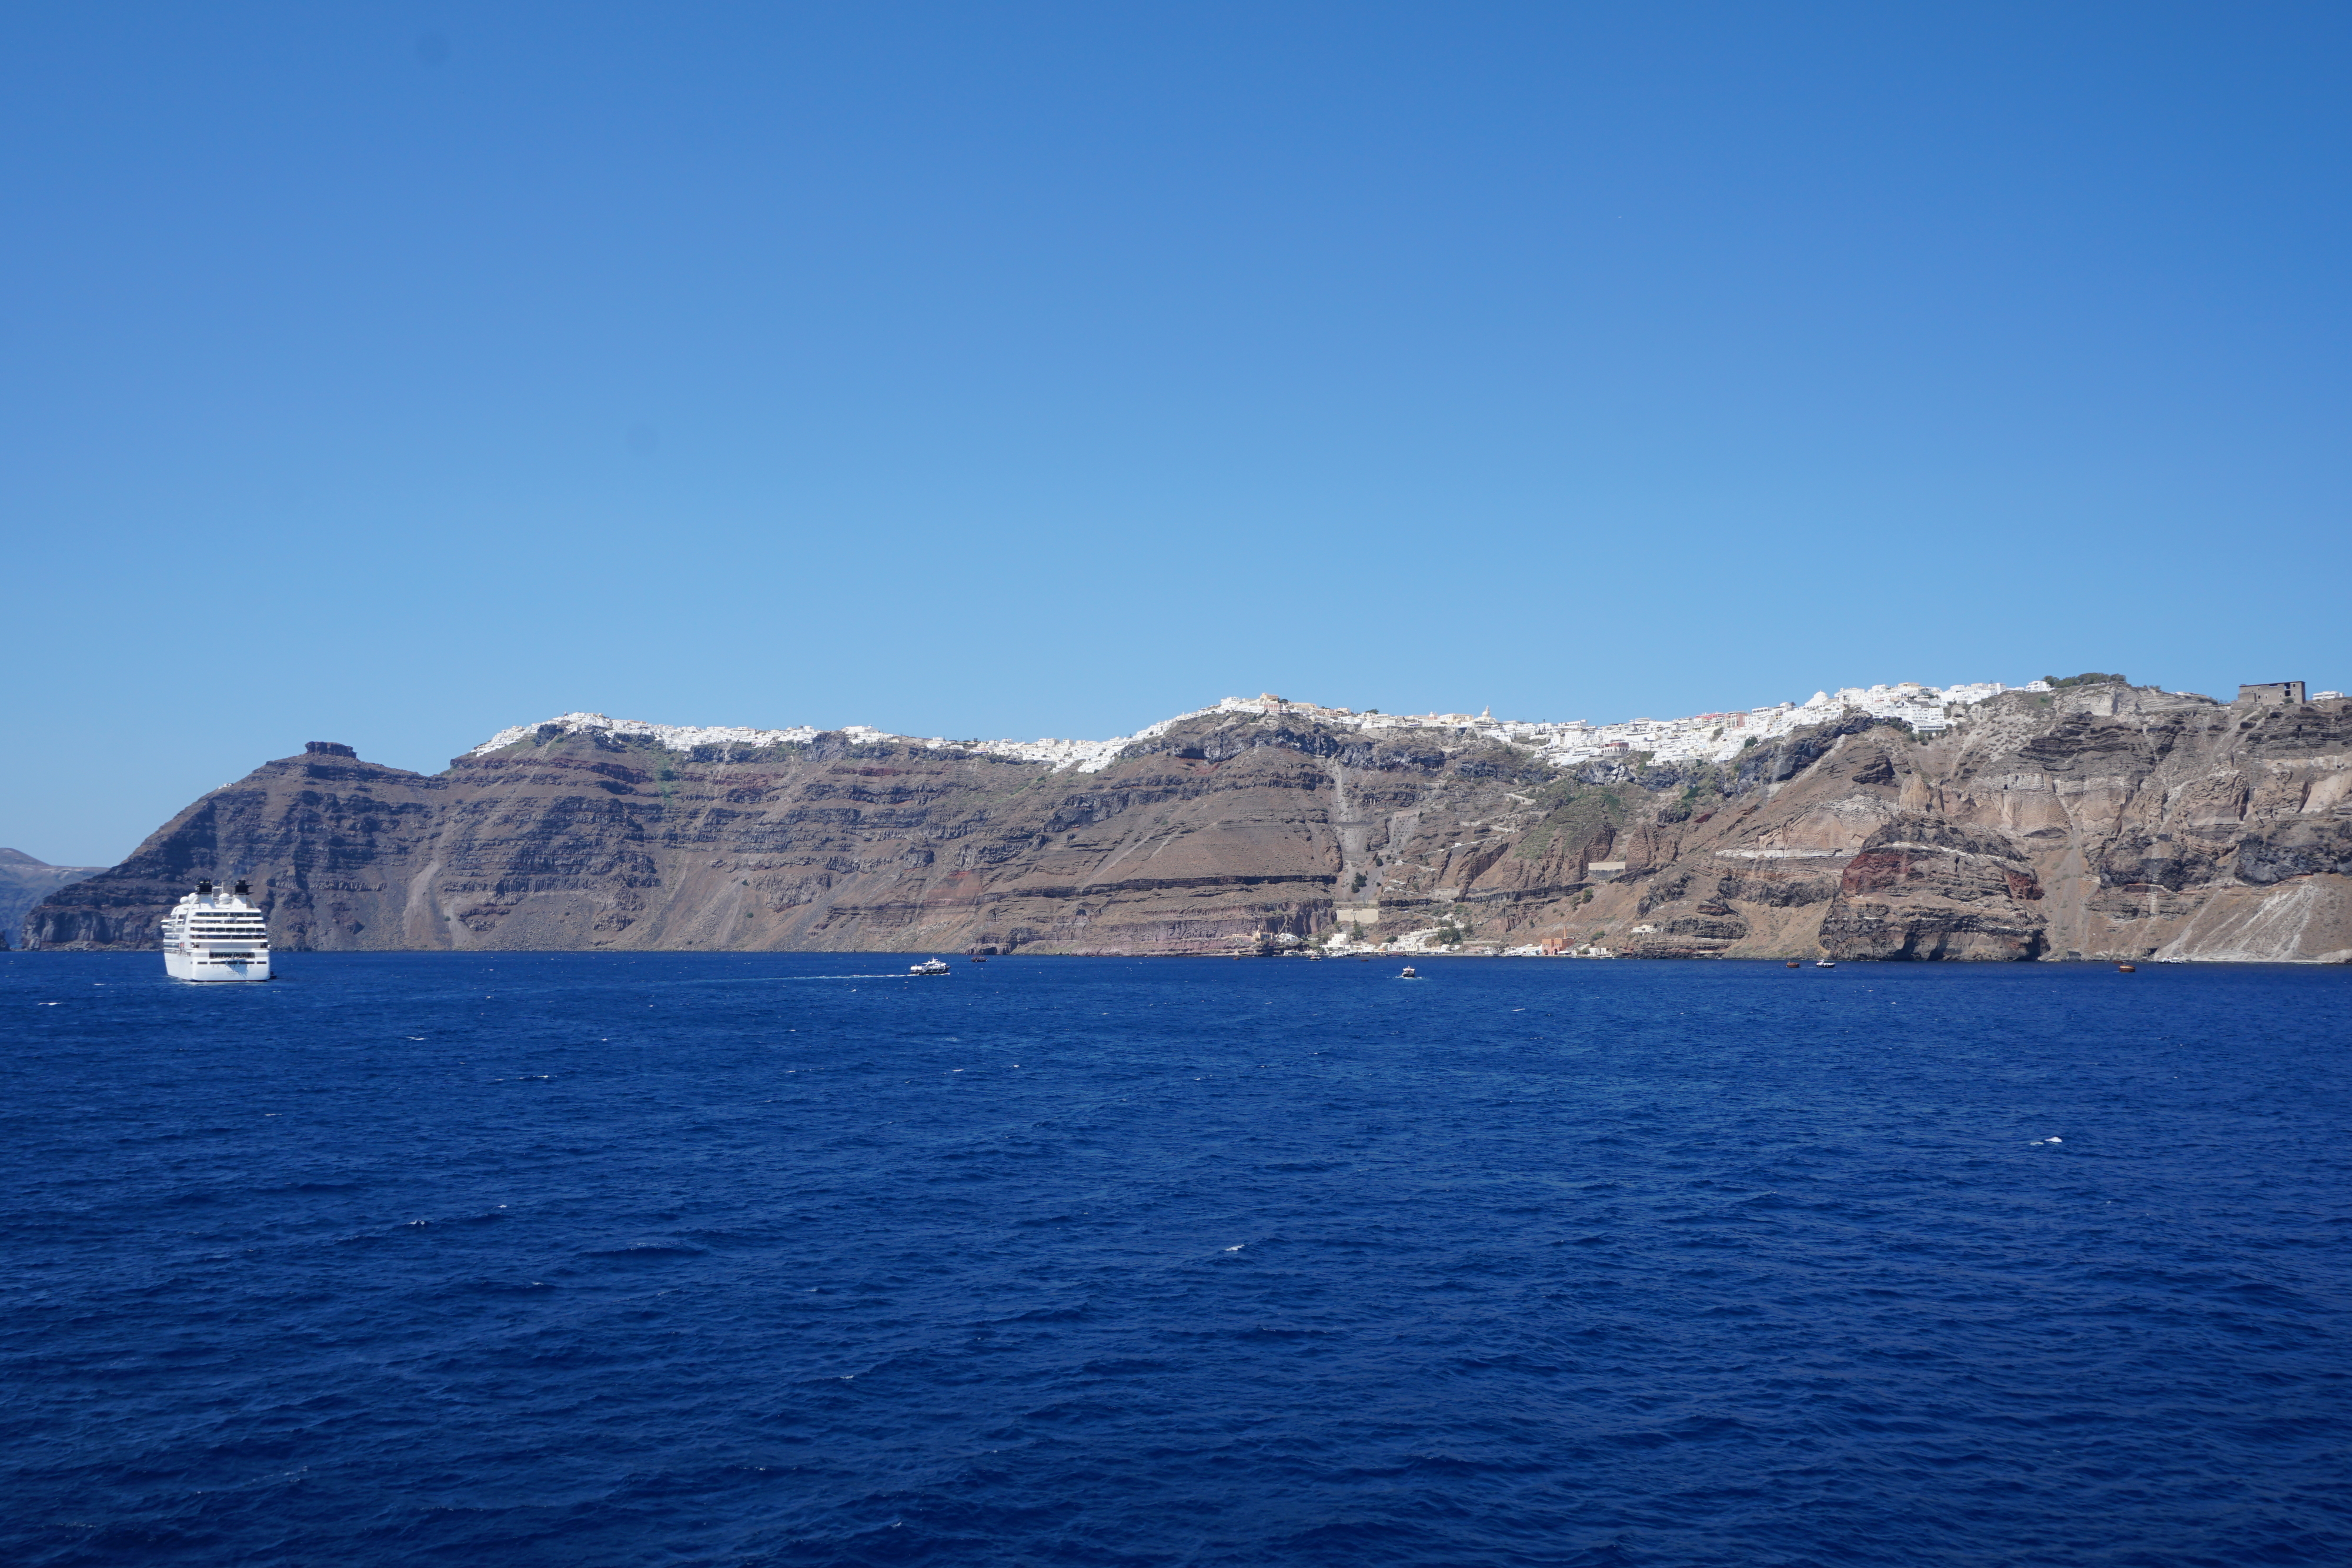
x: 931, y: 967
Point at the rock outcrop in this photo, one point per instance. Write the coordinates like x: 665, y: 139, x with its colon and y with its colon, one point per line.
x: 2098, y: 821
x: 1921, y: 887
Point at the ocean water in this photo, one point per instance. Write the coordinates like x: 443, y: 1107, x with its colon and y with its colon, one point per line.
x: 589, y: 1259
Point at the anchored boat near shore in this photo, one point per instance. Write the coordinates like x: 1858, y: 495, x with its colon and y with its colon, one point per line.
x: 210, y: 936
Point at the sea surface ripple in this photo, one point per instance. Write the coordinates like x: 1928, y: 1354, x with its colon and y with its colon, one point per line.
x: 588, y: 1260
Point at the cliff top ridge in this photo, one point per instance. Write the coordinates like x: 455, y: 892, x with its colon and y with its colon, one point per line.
x: 1711, y: 737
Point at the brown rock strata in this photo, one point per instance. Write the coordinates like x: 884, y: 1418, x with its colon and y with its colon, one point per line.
x: 25, y: 882
x: 2103, y: 821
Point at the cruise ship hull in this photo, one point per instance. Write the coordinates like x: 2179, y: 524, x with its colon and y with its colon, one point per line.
x: 204, y: 969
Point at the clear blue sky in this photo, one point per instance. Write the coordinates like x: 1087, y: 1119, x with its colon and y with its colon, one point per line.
x: 391, y: 374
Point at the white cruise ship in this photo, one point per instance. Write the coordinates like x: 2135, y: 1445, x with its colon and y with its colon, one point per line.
x: 212, y: 935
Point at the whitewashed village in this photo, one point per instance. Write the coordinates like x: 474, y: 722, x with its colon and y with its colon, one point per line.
x: 1701, y: 738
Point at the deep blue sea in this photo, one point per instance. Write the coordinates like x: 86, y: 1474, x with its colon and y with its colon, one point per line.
x: 598, y: 1259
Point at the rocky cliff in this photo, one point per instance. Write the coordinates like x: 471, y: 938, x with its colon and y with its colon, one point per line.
x: 2099, y: 821
x: 25, y: 882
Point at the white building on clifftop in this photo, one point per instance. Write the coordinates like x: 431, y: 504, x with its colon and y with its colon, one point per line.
x: 1701, y: 738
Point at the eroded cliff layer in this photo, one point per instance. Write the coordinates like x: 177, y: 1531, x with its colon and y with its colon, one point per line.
x: 2100, y: 822
x: 25, y: 882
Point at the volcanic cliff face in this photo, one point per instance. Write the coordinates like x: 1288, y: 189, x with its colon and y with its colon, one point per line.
x: 2097, y: 822
x: 2102, y: 821
x: 1215, y: 830
x: 1922, y: 887
x: 25, y: 882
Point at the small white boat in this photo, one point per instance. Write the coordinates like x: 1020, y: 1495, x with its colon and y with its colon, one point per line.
x: 1825, y: 963
x: 1408, y: 974
x: 932, y: 966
